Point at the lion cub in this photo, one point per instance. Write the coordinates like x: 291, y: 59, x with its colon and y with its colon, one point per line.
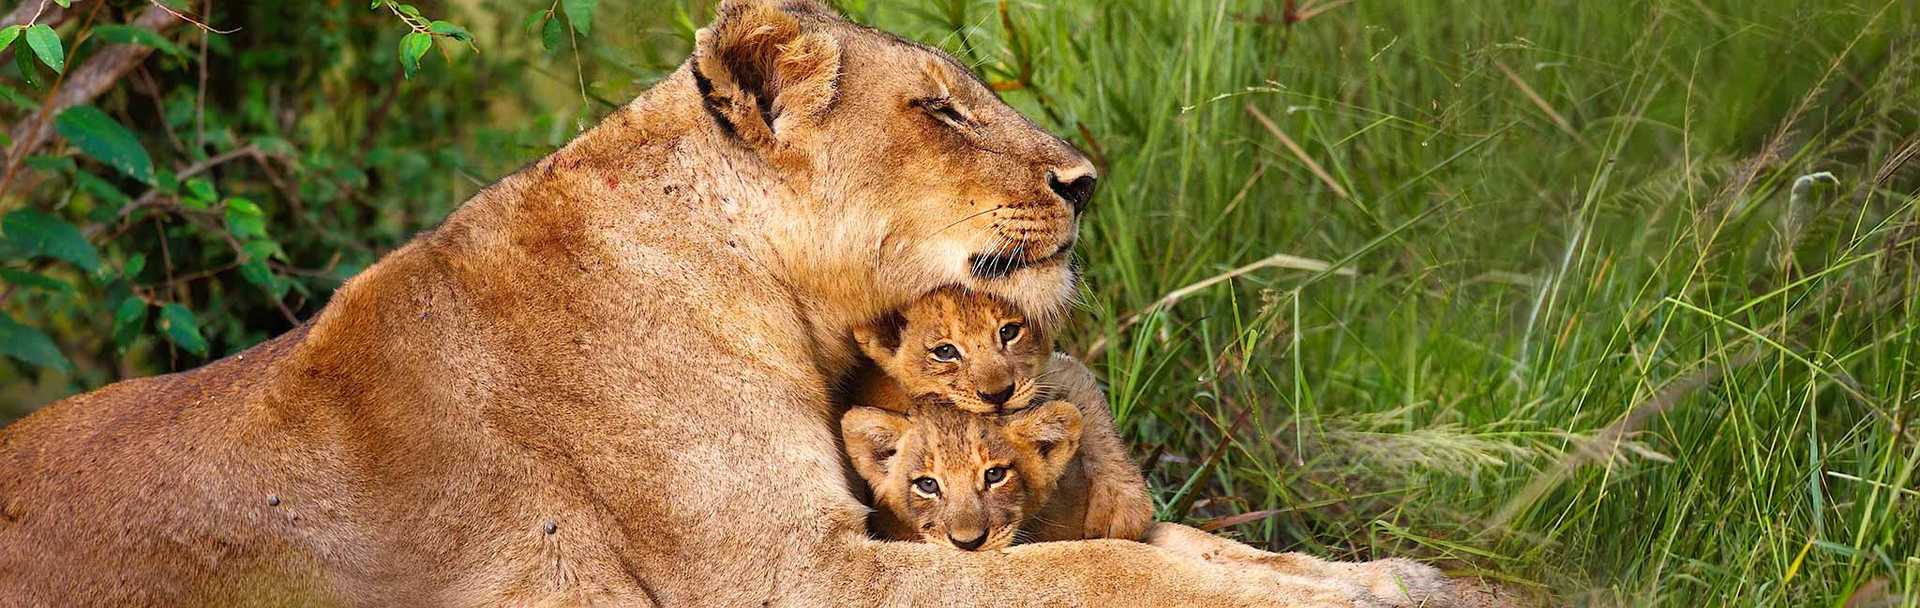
x: 969, y: 481
x: 976, y: 355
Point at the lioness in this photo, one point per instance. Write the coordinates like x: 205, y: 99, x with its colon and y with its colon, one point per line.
x: 975, y: 482
x: 982, y: 354
x: 605, y: 378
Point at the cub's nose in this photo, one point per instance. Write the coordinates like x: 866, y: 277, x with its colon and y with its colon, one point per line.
x: 969, y: 545
x: 1076, y: 187
x: 998, y: 397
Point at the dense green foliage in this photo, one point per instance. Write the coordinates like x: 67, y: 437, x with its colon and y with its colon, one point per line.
x: 1616, y: 300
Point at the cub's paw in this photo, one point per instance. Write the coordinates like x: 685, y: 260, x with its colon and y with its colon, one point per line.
x: 1116, y: 510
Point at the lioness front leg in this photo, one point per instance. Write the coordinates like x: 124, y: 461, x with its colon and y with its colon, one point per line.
x: 1087, y: 573
x: 1392, y: 580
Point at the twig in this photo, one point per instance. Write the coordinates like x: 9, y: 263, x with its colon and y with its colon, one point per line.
x: 152, y: 196
x: 1541, y: 102
x: 200, y: 93
x: 31, y: 133
x: 1298, y: 152
x: 1278, y: 260
x: 1603, y: 445
x: 205, y: 8
x: 81, y: 85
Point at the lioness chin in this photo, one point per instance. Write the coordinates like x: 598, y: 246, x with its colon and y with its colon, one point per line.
x: 605, y: 378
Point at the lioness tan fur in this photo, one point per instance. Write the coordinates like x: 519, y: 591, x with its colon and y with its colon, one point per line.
x: 604, y: 380
x: 982, y: 354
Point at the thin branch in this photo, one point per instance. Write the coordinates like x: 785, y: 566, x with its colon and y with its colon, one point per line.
x: 1298, y: 152
x: 1278, y: 260
x: 80, y: 85
x: 204, y: 8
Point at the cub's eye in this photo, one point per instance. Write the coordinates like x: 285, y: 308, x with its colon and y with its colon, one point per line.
x: 927, y: 485
x: 1010, y: 332
x: 996, y: 475
x: 943, y: 109
x: 945, y: 353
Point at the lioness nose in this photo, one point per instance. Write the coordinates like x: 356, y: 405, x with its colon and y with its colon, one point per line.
x: 969, y: 545
x: 1076, y: 187
x: 998, y: 397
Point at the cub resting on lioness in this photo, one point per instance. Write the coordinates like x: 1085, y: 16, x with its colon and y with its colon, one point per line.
x: 942, y: 432
x: 980, y: 354
x: 607, y: 379
x: 975, y: 482
x: 981, y: 482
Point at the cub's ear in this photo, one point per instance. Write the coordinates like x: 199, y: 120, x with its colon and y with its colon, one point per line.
x: 765, y: 76
x: 873, y: 437
x: 1053, y: 429
x: 879, y: 339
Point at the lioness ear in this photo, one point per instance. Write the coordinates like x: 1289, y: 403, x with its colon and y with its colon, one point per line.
x: 873, y: 438
x: 764, y: 75
x: 1054, y: 430
x: 879, y: 339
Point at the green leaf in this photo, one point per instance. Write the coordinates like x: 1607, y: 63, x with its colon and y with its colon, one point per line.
x: 533, y: 22
x: 178, y: 324
x: 128, y: 34
x: 202, y: 189
x: 134, y: 265
x: 46, y: 46
x: 17, y: 100
x: 580, y: 13
x: 29, y: 345
x: 550, y: 34
x: 256, y: 271
x: 128, y: 319
x: 410, y: 11
x: 37, y: 233
x: 52, y: 164
x: 245, y: 220
x: 101, y: 189
x: 64, y: 3
x: 413, y: 46
x: 106, y: 140
x: 29, y: 73
x: 33, y: 280
x: 8, y: 33
x: 451, y: 31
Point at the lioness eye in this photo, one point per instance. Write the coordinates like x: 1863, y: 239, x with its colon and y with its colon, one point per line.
x: 996, y: 475
x: 927, y: 486
x: 1009, y: 332
x: 945, y: 353
x: 943, y: 109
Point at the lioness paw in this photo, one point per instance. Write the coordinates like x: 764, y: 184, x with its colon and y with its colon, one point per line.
x: 1400, y: 582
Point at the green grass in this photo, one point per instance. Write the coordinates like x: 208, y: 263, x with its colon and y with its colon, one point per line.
x: 1554, y: 314
x: 1591, y: 343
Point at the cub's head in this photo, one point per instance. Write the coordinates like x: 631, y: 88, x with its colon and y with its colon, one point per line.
x: 918, y: 165
x: 972, y: 349
x: 959, y: 479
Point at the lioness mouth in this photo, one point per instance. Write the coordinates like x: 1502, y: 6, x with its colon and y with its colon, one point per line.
x: 999, y: 264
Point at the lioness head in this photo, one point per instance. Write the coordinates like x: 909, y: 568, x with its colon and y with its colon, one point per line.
x: 973, y: 349
x: 904, y: 154
x: 963, y: 480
